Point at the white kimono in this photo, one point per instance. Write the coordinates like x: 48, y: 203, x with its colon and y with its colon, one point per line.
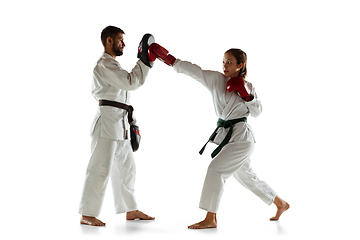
x: 111, y: 149
x: 111, y: 82
x: 234, y: 158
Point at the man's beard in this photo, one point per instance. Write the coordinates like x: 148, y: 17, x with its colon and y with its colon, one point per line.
x: 117, y: 51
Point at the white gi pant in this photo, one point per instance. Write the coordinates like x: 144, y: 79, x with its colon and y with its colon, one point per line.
x: 109, y: 157
x: 233, y: 159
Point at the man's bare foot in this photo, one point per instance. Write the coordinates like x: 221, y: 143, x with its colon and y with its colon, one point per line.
x: 282, y: 206
x: 91, y: 221
x: 138, y: 215
x: 209, y: 222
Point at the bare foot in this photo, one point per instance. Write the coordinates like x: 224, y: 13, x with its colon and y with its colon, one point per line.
x: 138, y: 215
x: 91, y: 221
x: 203, y: 225
x: 282, y: 206
x: 209, y: 222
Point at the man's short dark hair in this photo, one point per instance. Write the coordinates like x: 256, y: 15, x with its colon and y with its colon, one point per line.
x: 110, y: 31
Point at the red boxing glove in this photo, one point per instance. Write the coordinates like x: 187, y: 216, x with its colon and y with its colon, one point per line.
x: 157, y: 51
x: 238, y: 84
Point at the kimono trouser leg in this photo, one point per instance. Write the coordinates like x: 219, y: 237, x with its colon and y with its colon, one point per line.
x: 249, y: 180
x: 123, y: 178
x: 108, y: 157
x: 234, y: 159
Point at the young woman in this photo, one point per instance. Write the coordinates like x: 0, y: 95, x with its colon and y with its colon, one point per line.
x: 234, y: 100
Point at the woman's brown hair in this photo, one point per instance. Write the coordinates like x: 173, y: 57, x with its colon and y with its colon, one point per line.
x: 241, y: 57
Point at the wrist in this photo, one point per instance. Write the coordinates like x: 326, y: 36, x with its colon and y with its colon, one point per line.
x: 249, y: 98
x: 170, y: 60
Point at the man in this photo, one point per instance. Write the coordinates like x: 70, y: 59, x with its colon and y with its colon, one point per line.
x: 111, y: 149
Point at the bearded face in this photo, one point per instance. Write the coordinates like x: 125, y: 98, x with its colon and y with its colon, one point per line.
x: 117, y: 50
x: 118, y: 45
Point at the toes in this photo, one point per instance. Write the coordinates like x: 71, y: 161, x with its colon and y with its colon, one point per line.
x: 91, y: 221
x: 143, y: 216
x: 147, y: 217
x: 194, y: 226
x: 138, y: 215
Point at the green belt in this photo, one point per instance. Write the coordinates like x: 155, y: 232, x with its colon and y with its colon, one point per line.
x: 224, y: 124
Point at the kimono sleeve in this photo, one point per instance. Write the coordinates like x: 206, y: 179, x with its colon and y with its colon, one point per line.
x: 113, y: 74
x: 205, y: 77
x: 254, y: 105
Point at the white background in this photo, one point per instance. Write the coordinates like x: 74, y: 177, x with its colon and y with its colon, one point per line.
x: 303, y: 59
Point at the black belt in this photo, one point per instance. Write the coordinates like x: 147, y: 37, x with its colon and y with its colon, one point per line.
x: 124, y: 106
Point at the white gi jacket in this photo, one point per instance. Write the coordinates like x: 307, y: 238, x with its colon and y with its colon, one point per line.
x: 112, y: 82
x: 227, y: 105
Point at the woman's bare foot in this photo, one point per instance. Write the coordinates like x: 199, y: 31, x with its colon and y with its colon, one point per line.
x: 91, y: 221
x: 282, y: 206
x: 138, y: 215
x: 210, y: 221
